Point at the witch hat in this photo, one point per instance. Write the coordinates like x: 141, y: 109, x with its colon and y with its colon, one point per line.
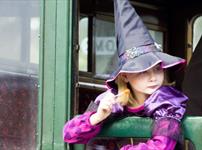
x: 137, y: 50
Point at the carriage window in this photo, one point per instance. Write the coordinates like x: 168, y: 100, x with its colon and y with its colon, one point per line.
x: 83, y: 42
x: 157, y: 36
x: 105, y: 47
x: 34, y: 43
x: 197, y: 31
x: 19, y: 50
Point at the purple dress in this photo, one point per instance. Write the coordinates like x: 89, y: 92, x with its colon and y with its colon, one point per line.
x: 166, y: 106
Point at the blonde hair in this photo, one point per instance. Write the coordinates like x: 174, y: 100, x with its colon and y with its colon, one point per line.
x: 126, y: 97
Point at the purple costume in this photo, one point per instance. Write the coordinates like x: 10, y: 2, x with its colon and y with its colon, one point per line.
x: 166, y: 106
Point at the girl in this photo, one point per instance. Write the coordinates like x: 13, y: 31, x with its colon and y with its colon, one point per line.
x: 135, y: 88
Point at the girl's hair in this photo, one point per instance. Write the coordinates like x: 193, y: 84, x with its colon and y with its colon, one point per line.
x: 126, y: 97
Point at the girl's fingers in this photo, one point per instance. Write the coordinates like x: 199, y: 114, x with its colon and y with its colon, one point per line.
x: 107, y: 106
x: 110, y: 99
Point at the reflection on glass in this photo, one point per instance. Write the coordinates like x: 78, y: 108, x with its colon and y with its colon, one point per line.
x: 10, y: 41
x: 83, y: 42
x: 197, y: 31
x: 19, y: 38
x: 34, y: 38
x: 105, y: 47
x: 157, y: 36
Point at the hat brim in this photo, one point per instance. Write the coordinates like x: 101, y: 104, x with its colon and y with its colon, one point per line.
x: 143, y: 63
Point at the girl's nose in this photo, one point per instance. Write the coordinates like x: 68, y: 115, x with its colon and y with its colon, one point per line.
x: 152, y: 75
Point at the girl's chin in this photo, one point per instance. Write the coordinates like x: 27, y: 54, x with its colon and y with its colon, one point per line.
x: 150, y: 91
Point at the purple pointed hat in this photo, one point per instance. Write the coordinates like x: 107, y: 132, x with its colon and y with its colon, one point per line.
x: 137, y: 50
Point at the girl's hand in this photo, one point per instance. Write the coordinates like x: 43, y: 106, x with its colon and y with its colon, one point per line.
x: 104, y: 109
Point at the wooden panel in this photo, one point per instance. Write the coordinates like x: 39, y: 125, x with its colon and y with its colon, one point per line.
x: 56, y: 73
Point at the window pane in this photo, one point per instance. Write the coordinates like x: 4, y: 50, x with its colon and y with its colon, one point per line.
x: 10, y: 28
x: 157, y: 36
x: 19, y: 36
x: 83, y: 42
x: 105, y: 47
x: 197, y: 31
x: 34, y: 39
x: 19, y: 28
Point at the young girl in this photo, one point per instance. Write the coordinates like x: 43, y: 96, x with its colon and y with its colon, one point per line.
x: 135, y: 88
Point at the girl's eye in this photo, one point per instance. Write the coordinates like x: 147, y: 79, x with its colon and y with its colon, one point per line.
x: 142, y: 73
x: 158, y: 68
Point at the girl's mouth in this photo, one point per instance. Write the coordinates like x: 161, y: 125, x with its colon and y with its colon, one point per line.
x: 153, y: 86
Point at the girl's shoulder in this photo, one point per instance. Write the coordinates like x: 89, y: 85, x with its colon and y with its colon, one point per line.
x: 167, y: 93
x: 167, y: 101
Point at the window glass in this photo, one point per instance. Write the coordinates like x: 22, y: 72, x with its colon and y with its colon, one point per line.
x: 197, y: 31
x: 19, y: 37
x: 157, y: 36
x: 34, y: 39
x: 19, y: 59
x: 105, y: 47
x: 83, y: 42
x: 10, y: 28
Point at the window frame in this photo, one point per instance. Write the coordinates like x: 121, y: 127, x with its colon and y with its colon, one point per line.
x: 24, y: 64
x: 190, y: 36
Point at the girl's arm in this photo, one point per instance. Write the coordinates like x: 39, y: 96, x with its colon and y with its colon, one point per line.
x: 84, y: 127
x: 79, y: 129
x: 167, y: 108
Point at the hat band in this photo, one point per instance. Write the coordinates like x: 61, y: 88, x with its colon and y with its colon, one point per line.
x: 137, y: 51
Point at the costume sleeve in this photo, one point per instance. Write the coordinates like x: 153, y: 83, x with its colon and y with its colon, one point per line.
x: 79, y: 130
x: 156, y: 143
x: 167, y: 107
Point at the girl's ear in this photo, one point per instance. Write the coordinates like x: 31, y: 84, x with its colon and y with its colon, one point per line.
x: 124, y: 77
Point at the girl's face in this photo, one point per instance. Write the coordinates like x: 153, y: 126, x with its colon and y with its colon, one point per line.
x: 145, y: 82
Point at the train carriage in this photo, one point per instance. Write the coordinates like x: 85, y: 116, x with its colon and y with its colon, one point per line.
x: 56, y: 55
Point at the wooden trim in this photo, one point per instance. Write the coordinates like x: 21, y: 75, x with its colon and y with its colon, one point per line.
x: 147, y: 6
x: 41, y: 73
x: 189, y: 40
